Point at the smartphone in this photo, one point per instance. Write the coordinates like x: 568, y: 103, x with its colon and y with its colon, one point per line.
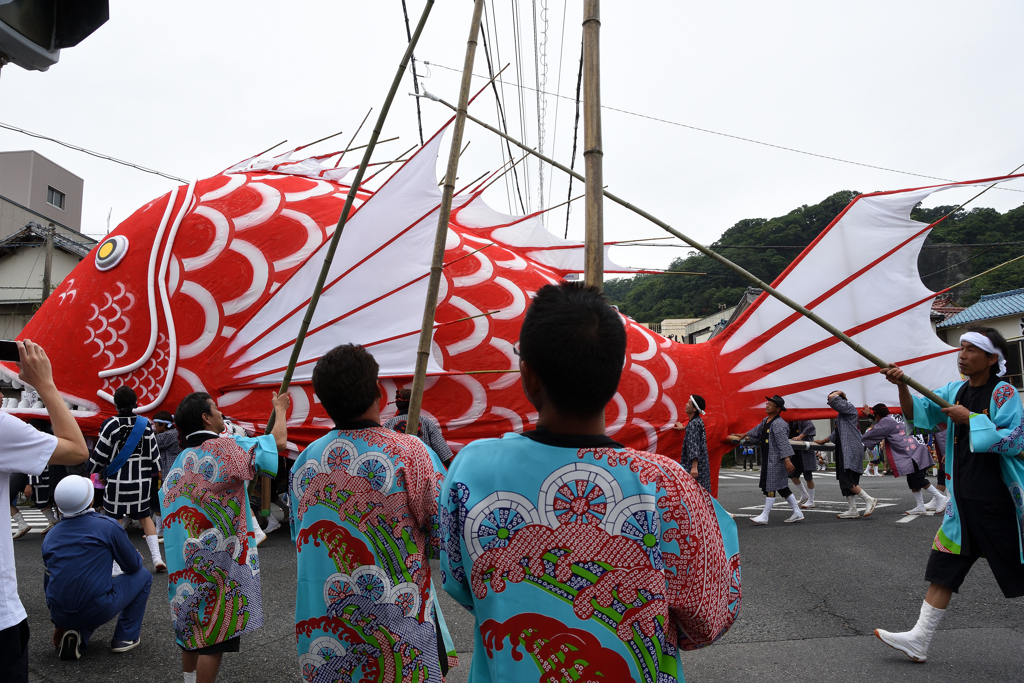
x: 9, y: 351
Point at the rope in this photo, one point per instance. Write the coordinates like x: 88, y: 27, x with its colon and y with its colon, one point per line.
x: 498, y: 101
x: 415, y: 78
x: 95, y: 154
x: 743, y: 139
x: 575, y: 137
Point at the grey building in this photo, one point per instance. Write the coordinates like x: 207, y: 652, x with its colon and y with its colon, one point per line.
x: 36, y: 196
x: 33, y: 188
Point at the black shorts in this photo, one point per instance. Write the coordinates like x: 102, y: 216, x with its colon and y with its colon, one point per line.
x: 848, y: 479
x: 990, y: 531
x: 941, y: 477
x: 917, y: 480
x: 230, y: 645
x: 14, y: 653
x: 798, y: 466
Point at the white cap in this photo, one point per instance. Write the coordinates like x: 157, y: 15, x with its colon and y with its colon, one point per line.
x: 73, y: 494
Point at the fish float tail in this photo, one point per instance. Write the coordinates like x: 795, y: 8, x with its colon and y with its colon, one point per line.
x: 861, y: 275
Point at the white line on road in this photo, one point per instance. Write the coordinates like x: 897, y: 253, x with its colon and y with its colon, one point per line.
x: 908, y: 519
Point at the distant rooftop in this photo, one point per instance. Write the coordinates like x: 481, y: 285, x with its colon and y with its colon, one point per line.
x: 988, y: 307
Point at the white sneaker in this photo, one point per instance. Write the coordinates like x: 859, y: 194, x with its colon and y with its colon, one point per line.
x: 760, y: 519
x: 803, y: 499
x: 272, y: 525
x: 849, y: 514
x: 930, y: 505
x: 795, y: 517
x: 919, y: 510
x: 940, y: 504
x: 905, y: 642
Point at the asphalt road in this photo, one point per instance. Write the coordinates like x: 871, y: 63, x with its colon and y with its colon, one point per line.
x: 813, y: 592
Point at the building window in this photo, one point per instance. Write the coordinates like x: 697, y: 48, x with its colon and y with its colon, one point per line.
x: 1013, y: 366
x: 55, y: 198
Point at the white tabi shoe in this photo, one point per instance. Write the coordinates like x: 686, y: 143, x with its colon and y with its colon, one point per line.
x: 795, y: 517
x: 940, y: 504
x: 849, y: 514
x: 914, y: 643
x: 272, y: 525
x: 761, y: 519
x: 919, y: 510
x: 808, y: 505
x: 930, y: 505
x: 871, y: 504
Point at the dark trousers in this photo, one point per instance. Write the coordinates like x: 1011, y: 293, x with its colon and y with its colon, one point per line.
x: 127, y: 597
x: 14, y: 653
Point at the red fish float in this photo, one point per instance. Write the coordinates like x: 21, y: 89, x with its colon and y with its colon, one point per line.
x: 204, y: 289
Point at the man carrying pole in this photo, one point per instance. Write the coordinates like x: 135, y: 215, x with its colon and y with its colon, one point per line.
x: 777, y: 454
x: 983, y: 517
x: 849, y: 455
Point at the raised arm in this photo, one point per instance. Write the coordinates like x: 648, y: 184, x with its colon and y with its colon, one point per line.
x: 280, y: 430
x: 37, y: 373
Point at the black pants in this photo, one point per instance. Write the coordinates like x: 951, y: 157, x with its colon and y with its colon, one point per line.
x: 14, y: 653
x: 848, y: 480
x: 917, y: 480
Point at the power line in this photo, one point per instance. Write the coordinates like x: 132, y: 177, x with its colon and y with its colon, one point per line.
x: 738, y: 137
x: 415, y: 78
x: 95, y: 154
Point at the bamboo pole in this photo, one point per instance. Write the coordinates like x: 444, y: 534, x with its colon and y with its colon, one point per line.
x: 750, y: 277
x: 329, y: 256
x: 433, y: 284
x: 593, y: 154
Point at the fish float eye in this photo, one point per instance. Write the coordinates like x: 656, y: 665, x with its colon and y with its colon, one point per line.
x: 111, y: 251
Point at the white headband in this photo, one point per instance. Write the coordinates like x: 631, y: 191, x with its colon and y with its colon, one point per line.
x: 985, y: 344
x: 695, y: 406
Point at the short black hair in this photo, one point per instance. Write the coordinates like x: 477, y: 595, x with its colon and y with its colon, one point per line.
x: 189, y: 415
x: 345, y: 381
x: 880, y: 410
x: 699, y: 400
x: 163, y: 415
x: 576, y: 343
x: 125, y: 399
x: 997, y: 340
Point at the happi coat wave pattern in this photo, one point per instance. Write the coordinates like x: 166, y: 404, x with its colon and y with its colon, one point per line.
x: 364, y: 522
x: 590, y: 564
x: 213, y: 579
x: 204, y: 289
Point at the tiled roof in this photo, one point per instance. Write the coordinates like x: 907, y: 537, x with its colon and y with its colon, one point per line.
x: 988, y: 307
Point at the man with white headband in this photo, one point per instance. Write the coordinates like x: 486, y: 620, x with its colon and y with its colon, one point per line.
x: 694, y: 457
x: 81, y: 594
x: 984, y: 480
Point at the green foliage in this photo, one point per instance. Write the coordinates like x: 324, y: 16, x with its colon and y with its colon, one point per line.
x: 652, y: 298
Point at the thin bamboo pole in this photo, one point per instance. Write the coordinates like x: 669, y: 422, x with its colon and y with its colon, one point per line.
x: 338, y: 162
x: 593, y: 154
x: 750, y: 277
x: 329, y: 256
x: 433, y: 285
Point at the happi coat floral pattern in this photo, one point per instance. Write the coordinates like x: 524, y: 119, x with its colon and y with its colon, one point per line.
x: 364, y: 522
x: 213, y: 579
x: 584, y: 564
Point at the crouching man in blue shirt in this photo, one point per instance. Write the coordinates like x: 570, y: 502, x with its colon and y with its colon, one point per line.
x: 78, y: 554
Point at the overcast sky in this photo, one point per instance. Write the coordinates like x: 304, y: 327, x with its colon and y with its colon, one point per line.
x: 189, y: 88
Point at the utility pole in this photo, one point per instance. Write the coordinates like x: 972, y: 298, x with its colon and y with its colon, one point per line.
x: 592, y: 152
x: 48, y: 264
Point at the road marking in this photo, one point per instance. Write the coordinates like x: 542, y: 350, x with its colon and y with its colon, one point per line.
x: 908, y: 519
x: 34, y: 518
x: 830, y: 507
x: 747, y: 476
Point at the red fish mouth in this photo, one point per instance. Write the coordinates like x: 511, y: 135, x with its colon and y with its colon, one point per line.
x: 80, y: 407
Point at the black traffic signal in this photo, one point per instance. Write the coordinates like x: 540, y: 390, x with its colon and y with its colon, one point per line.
x: 32, y: 32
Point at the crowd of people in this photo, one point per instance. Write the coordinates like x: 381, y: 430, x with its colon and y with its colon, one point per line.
x: 593, y: 557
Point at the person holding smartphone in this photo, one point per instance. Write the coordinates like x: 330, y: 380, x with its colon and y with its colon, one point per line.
x: 27, y: 450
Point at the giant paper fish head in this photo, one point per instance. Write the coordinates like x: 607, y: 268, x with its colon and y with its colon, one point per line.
x: 169, y: 286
